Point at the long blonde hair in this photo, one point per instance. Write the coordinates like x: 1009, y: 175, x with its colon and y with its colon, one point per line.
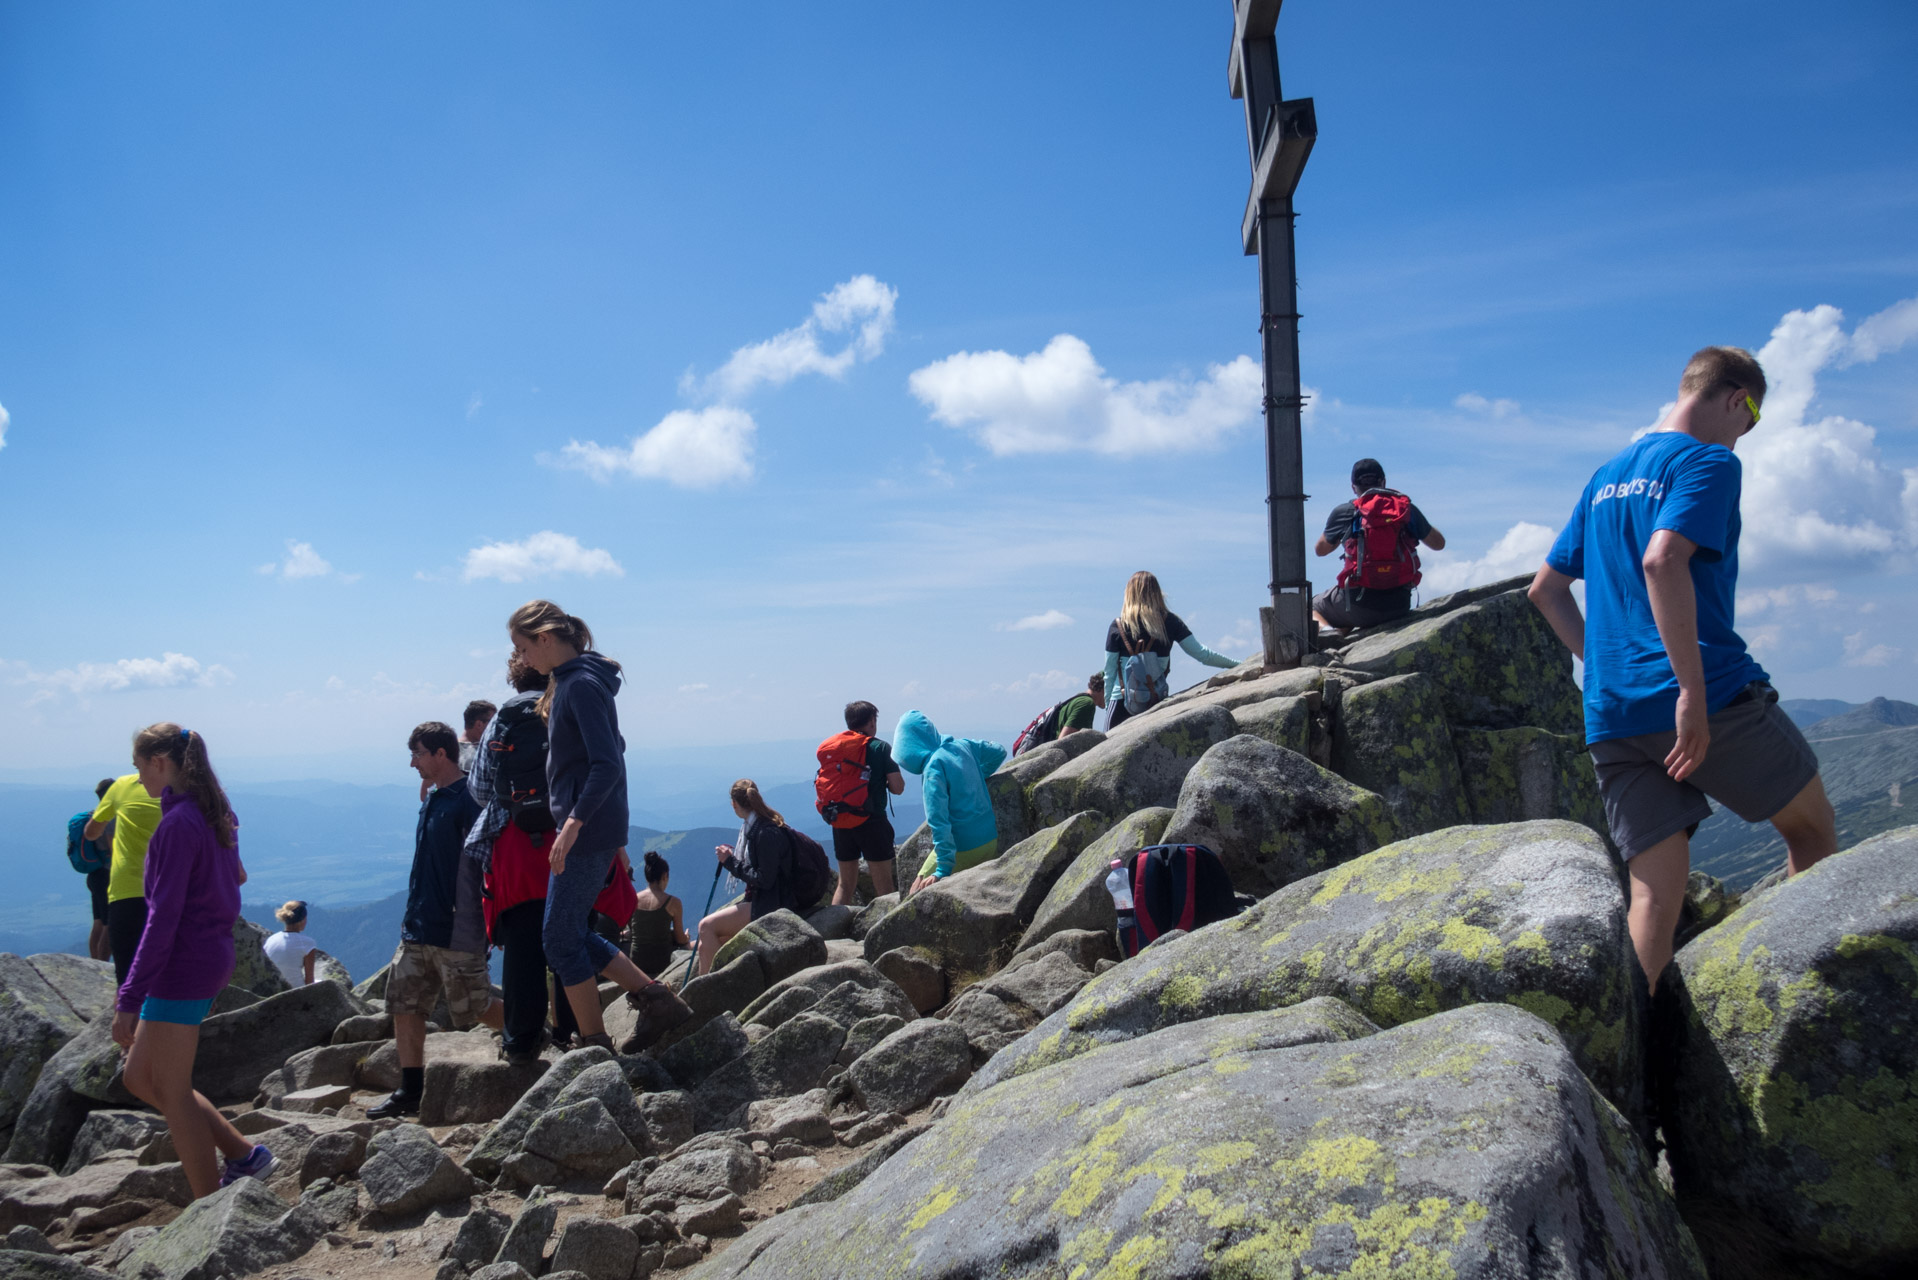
x: 746, y: 792
x: 1143, y: 616
x: 536, y: 617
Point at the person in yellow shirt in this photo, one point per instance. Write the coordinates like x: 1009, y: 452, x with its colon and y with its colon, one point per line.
x: 134, y: 814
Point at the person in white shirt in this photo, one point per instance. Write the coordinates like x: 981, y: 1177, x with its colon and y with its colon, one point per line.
x: 290, y: 950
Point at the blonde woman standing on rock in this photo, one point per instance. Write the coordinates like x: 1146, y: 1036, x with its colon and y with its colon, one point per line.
x: 1139, y: 650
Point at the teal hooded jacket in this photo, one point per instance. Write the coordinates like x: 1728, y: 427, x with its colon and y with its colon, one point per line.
x: 958, y: 808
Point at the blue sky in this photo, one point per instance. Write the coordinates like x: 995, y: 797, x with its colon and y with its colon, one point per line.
x: 327, y: 335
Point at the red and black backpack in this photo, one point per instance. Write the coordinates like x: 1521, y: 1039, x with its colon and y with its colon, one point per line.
x: 1176, y: 886
x: 843, y: 785
x: 1381, y: 552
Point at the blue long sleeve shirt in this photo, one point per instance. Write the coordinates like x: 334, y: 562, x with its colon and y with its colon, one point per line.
x: 954, y: 773
x: 586, y: 756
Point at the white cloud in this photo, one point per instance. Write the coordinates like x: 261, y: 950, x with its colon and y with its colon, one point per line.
x: 5, y: 418
x: 1039, y: 680
x: 168, y: 671
x: 1520, y: 549
x: 1242, y: 638
x: 541, y: 555
x: 1060, y: 399
x: 1473, y: 402
x: 1050, y: 620
x: 692, y: 448
x: 302, y: 561
x: 1858, y: 654
x: 473, y: 405
x: 1819, y: 492
x: 860, y: 307
x: 1793, y: 596
x: 910, y: 688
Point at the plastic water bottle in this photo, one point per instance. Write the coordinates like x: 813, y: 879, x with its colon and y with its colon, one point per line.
x: 1119, y: 885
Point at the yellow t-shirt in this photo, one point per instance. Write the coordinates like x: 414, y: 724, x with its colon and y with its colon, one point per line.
x: 134, y: 815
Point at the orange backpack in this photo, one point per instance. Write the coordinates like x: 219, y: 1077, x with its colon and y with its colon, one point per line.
x: 844, y: 780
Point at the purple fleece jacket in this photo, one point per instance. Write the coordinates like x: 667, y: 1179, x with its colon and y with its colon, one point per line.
x: 193, y: 898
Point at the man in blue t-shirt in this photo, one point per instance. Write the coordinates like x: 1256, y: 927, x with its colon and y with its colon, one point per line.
x: 1675, y: 709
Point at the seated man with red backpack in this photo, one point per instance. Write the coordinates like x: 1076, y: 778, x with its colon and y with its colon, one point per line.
x: 850, y: 764
x: 1379, y: 531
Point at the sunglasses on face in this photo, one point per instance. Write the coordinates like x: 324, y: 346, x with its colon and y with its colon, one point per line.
x: 1753, y: 406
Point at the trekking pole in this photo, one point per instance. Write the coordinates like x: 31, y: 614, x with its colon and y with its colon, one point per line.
x: 693, y: 959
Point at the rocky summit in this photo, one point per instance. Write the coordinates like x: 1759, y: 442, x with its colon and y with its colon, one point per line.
x: 1423, y: 1048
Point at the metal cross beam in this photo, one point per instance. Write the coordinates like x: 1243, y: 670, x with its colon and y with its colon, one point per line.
x: 1279, y: 136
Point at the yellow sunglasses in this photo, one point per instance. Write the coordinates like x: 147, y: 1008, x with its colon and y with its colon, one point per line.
x: 1753, y: 406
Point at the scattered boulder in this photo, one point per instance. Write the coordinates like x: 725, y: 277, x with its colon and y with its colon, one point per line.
x: 714, y: 1169
x: 1460, y: 1146
x: 580, y: 1139
x: 1078, y: 898
x: 971, y: 922
x: 31, y: 1264
x: 792, y: 1059
x: 784, y: 943
x: 716, y: 1043
x: 727, y: 989
x: 771, y: 1012
x: 1707, y: 903
x: 525, y: 1243
x: 606, y: 1083
x: 710, y: 1217
x: 1283, y: 722
x: 237, y: 1050
x: 82, y: 1076
x: 912, y: 1066
x: 1497, y: 663
x: 1137, y: 766
x: 671, y: 1117
x: 1392, y: 740
x: 1793, y: 1111
x: 596, y: 1249
x: 405, y: 1171
x: 833, y: 920
x: 321, y: 1097
x: 1516, y: 775
x: 469, y: 1092
x: 864, y: 1034
x: 109, y: 1130
x: 41, y: 1200
x: 922, y: 980
x: 505, y: 1137
x: 1043, y: 986
x: 35, y: 1023
x: 252, y: 971
x: 988, y: 1023
x: 363, y: 1027
x: 380, y: 1069
x: 876, y: 909
x: 236, y: 1231
x: 818, y: 980
x: 800, y: 1119
x: 332, y: 1155
x: 1529, y: 914
x: 1273, y: 816
x: 482, y: 1231
x: 1086, y: 948
x: 850, y: 1003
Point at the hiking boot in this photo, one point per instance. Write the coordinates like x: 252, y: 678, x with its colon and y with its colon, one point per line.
x: 396, y: 1104
x: 660, y: 1010
x: 601, y: 1039
x: 256, y: 1164
x: 519, y: 1057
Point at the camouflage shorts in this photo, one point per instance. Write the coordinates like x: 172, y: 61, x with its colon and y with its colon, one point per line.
x: 419, y: 972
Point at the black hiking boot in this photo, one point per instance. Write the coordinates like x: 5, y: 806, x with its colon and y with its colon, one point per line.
x: 396, y: 1104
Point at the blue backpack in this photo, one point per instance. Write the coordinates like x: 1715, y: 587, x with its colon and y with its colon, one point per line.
x: 82, y: 852
x: 1141, y: 685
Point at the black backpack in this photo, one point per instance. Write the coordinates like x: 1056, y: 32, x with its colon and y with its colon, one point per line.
x: 812, y: 872
x: 1175, y: 886
x: 518, y: 746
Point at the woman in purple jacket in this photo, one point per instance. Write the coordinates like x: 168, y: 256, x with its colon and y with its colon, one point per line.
x: 193, y: 879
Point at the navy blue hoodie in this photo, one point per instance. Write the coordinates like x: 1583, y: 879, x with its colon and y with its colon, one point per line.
x: 586, y: 757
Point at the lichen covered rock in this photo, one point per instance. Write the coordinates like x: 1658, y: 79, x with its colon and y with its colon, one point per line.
x: 1529, y: 914
x: 1795, y: 1106
x: 1466, y: 1145
x: 1393, y: 740
x: 971, y: 922
x: 1273, y: 816
x: 1518, y: 775
x: 1133, y: 768
x: 784, y: 943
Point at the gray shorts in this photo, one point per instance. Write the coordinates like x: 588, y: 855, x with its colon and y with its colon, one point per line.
x: 1756, y: 763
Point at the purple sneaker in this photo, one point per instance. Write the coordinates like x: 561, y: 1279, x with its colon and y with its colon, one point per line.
x: 256, y: 1165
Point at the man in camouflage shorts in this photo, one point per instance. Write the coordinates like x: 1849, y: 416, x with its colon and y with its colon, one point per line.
x: 443, y: 934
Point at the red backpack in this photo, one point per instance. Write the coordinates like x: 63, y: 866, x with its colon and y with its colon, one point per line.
x: 1382, y: 554
x: 1042, y: 728
x: 843, y: 782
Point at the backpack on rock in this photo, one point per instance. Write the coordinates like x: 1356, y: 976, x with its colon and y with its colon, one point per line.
x: 812, y: 872
x: 1042, y: 728
x: 1176, y: 886
x: 1381, y: 553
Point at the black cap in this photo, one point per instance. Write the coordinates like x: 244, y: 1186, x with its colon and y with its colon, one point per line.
x: 1367, y: 473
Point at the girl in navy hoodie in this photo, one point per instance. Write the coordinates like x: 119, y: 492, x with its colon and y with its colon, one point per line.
x: 586, y: 786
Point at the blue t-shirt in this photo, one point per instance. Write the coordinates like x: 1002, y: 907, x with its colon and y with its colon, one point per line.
x: 1665, y: 480
x: 432, y: 891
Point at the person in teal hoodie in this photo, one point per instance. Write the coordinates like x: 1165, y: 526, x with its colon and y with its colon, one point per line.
x: 958, y: 809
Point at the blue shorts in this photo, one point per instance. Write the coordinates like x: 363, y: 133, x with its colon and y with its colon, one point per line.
x: 188, y: 1013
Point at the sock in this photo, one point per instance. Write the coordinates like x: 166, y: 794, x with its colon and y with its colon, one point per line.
x: 412, y: 1081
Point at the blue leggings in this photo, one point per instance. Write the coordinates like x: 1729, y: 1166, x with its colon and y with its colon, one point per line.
x: 573, y: 950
